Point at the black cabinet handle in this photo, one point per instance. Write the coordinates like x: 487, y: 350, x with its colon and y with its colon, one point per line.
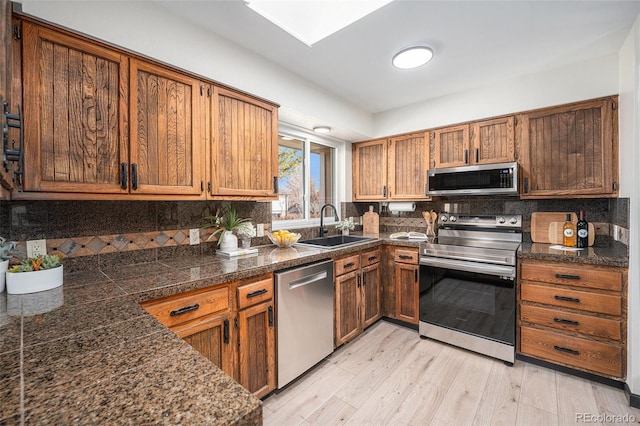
x: 526, y: 185
x: 384, y: 191
x: 566, y: 350
x: 256, y: 293
x: 225, y: 331
x: 565, y: 321
x: 359, y: 282
x: 405, y: 256
x: 235, y: 322
x: 567, y: 299
x: 123, y: 176
x: 275, y: 184
x: 184, y: 310
x: 477, y: 154
x: 568, y: 276
x: 372, y: 258
x: 364, y: 279
x: 270, y: 316
x: 416, y: 271
x: 466, y: 156
x: 201, y: 186
x: 209, y: 187
x: 349, y: 265
x: 134, y: 176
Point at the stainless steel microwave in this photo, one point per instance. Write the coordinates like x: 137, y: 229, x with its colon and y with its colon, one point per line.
x: 485, y: 179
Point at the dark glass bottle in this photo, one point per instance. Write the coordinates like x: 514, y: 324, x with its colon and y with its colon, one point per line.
x: 582, y: 228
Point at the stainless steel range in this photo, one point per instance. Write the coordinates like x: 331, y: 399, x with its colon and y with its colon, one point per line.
x: 467, y: 283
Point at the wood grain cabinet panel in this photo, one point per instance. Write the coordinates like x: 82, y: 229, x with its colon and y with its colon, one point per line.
x: 257, y: 348
x: 348, y: 307
x: 371, y: 309
x: 369, y: 163
x: 570, y: 150
x: 167, y: 149
x: 244, y: 154
x: 407, y: 292
x: 408, y: 163
x: 451, y: 146
x: 493, y: 141
x: 75, y: 96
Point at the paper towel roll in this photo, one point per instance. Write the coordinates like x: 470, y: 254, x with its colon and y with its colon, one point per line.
x: 402, y: 206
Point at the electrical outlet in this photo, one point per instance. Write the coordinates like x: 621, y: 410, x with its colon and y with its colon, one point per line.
x: 194, y: 236
x: 260, y: 230
x: 36, y: 248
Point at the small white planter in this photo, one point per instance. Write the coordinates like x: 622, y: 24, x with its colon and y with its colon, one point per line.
x: 4, y: 264
x: 34, y: 281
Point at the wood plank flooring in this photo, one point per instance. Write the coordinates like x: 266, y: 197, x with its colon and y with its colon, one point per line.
x: 389, y: 376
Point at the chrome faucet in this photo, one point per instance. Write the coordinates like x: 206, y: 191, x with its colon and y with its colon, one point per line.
x: 322, y: 230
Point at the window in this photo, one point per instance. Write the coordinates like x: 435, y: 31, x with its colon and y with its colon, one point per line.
x: 306, y: 179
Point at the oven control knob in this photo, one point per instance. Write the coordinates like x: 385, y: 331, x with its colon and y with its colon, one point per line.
x: 501, y: 220
x: 453, y: 219
x: 443, y: 218
x: 513, y: 220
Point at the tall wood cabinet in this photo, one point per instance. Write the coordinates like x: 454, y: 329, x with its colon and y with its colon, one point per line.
x: 570, y: 150
x: 244, y: 155
x: 391, y: 169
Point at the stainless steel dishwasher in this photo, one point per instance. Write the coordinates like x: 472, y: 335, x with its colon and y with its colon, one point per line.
x: 305, y: 318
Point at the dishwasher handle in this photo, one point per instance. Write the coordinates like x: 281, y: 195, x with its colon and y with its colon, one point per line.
x: 308, y: 280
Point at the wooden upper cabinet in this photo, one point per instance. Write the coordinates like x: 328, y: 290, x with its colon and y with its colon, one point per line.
x: 408, y: 164
x: 451, y: 146
x: 369, y: 162
x: 493, y: 141
x: 570, y: 150
x: 244, y: 158
x: 167, y: 147
x: 75, y: 96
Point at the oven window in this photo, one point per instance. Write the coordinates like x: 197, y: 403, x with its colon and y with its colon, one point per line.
x: 479, y: 304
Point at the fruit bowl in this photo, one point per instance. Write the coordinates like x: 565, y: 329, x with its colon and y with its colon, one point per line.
x: 284, y: 238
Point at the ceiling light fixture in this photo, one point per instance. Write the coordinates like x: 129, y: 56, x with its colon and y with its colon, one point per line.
x: 412, y: 57
x: 322, y: 129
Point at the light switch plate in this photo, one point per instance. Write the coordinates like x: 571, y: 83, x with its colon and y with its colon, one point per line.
x: 194, y: 236
x: 36, y: 248
x: 260, y: 230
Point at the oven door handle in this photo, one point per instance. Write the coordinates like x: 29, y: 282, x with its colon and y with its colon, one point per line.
x: 461, y: 265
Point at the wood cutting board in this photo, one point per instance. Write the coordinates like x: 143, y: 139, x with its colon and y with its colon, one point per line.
x: 556, y: 237
x: 371, y: 222
x: 540, y: 224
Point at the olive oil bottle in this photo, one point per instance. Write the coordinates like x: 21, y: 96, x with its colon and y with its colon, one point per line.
x: 569, y: 233
x: 582, y: 231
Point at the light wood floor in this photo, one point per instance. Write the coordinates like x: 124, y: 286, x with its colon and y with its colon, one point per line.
x: 389, y: 376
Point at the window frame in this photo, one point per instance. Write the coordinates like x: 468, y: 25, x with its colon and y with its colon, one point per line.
x: 308, y: 137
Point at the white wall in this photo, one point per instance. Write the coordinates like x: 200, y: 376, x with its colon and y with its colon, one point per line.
x: 629, y: 178
x: 585, y: 80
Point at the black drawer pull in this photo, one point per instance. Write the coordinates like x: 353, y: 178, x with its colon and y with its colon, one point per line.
x: 568, y: 276
x: 359, y: 280
x: 405, y: 256
x: 184, y: 310
x: 134, y: 176
x: 124, y: 180
x: 225, y: 331
x: 270, y: 316
x: 565, y: 321
x: 372, y: 258
x: 256, y: 293
x: 364, y: 279
x: 566, y: 350
x: 567, y: 299
x: 349, y: 265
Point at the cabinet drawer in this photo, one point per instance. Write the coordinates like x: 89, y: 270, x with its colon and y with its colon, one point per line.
x: 579, y: 276
x: 347, y: 264
x: 577, y: 352
x: 405, y: 256
x: 580, y: 323
x: 254, y: 293
x: 185, y: 307
x: 568, y: 298
x: 370, y: 257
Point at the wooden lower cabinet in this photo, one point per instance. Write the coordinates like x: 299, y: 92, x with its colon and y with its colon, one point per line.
x: 257, y: 348
x: 573, y: 315
x: 407, y: 286
x: 371, y: 311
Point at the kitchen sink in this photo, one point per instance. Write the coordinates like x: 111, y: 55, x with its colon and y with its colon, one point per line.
x: 334, y: 241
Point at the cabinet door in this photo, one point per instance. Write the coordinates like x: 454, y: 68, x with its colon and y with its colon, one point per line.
x: 212, y: 337
x: 348, y: 298
x: 371, y: 310
x: 75, y: 114
x: 408, y: 164
x: 370, y: 170
x: 407, y: 290
x: 493, y: 141
x: 570, y: 150
x: 257, y: 349
x: 166, y: 145
x: 245, y: 148
x: 451, y: 147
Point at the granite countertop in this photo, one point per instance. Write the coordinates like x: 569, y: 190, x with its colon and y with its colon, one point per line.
x: 607, y: 253
x: 87, y: 352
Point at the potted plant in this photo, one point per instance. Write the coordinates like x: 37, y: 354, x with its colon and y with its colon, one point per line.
x: 6, y: 250
x: 246, y: 231
x: 345, y: 226
x: 226, y: 224
x: 35, y: 274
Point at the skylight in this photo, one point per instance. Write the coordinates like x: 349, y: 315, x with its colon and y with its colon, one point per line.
x: 312, y: 20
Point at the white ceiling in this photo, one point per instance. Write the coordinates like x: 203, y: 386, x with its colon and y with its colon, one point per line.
x: 476, y: 43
